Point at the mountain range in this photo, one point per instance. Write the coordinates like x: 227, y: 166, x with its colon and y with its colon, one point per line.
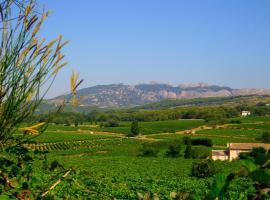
x: 122, y: 95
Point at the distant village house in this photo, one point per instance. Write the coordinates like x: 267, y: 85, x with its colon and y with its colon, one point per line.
x: 234, y: 149
x: 245, y: 113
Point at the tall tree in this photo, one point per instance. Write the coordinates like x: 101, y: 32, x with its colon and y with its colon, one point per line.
x: 188, y: 148
x: 134, y: 129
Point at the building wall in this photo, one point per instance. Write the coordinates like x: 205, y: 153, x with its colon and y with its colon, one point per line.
x: 245, y: 114
x: 234, y: 154
x: 219, y: 157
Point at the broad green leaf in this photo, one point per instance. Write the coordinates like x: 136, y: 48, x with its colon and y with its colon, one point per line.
x: 4, y: 197
x: 249, y: 165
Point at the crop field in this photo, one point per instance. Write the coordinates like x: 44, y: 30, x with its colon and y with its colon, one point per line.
x: 111, y: 165
x: 257, y: 126
x: 58, y: 136
x: 113, y: 168
x: 58, y: 127
x: 147, y: 128
x: 252, y: 119
x: 217, y: 140
x: 231, y: 132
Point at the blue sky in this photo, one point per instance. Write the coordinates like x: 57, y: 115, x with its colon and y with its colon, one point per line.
x: 223, y: 42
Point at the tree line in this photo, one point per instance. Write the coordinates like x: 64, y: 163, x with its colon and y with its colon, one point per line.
x: 211, y: 114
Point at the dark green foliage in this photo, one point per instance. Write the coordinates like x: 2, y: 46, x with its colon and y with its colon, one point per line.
x: 219, y: 188
x: 134, y: 129
x: 76, y: 123
x: 198, y: 141
x: 256, y: 166
x: 261, y: 104
x: 235, y: 121
x: 54, y: 165
x: 18, y: 174
x: 186, y: 140
x: 202, y: 141
x: 188, y: 148
x: 169, y: 131
x: 200, y: 152
x: 203, y: 169
x: 110, y: 123
x: 67, y: 122
x: 174, y: 150
x: 149, y: 150
x: 266, y: 137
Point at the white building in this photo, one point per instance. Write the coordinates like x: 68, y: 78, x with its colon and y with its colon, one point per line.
x: 245, y: 113
x: 234, y: 149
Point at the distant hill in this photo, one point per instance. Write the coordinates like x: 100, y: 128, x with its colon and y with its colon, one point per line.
x: 121, y: 95
x: 223, y: 101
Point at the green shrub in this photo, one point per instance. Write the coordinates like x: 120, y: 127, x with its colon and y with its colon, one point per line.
x: 111, y: 123
x: 202, y: 141
x: 235, y: 121
x: 203, y: 169
x: 149, y: 150
x: 174, y: 150
x: 134, y: 129
x: 169, y: 131
x: 186, y: 140
x: 188, y: 148
x: 266, y: 137
x: 201, y: 152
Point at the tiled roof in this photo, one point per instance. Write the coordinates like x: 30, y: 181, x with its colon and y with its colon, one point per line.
x: 219, y: 153
x: 247, y: 146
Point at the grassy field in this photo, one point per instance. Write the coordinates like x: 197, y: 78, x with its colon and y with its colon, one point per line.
x: 112, y: 167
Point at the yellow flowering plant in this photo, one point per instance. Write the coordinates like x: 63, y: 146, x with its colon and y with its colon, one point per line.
x: 27, y: 64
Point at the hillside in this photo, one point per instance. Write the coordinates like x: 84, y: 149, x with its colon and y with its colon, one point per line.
x: 224, y: 101
x: 121, y: 95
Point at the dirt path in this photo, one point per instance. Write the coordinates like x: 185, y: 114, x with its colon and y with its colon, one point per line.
x: 192, y: 132
x: 89, y: 132
x: 188, y: 132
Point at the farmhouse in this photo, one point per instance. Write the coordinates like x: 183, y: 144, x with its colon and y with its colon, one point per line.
x: 245, y: 113
x: 234, y: 149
